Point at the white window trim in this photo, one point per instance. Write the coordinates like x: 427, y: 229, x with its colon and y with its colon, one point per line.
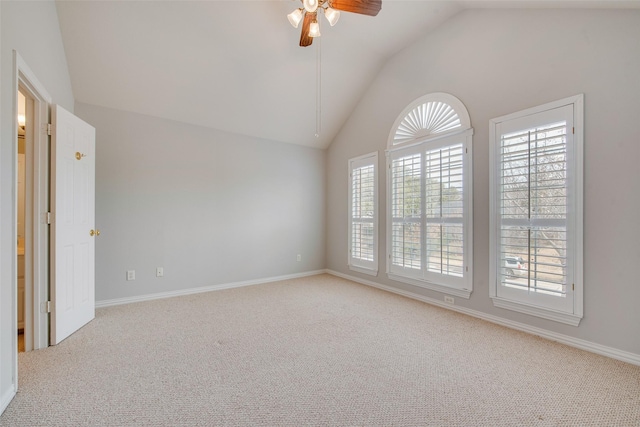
x: 577, y: 218
x: 364, y: 267
x: 464, y: 133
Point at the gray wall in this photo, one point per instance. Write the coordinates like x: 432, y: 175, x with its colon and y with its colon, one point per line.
x: 208, y: 206
x: 31, y: 28
x: 498, y: 62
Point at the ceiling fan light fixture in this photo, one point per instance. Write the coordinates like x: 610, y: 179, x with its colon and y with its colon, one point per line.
x: 295, y: 17
x: 310, y: 5
x: 314, y: 29
x: 332, y: 16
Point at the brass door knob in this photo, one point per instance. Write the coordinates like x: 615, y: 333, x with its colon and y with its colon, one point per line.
x: 97, y: 232
x: 79, y: 155
x: 92, y: 232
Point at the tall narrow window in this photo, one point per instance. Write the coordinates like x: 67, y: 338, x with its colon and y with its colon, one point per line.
x: 537, y: 211
x: 429, y: 190
x: 363, y: 214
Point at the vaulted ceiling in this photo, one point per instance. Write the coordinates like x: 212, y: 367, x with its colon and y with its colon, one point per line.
x: 236, y: 65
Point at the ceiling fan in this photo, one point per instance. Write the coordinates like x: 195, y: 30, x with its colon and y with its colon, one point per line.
x: 308, y: 14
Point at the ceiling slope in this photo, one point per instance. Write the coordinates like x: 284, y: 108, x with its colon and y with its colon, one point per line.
x: 236, y: 65
x: 233, y: 65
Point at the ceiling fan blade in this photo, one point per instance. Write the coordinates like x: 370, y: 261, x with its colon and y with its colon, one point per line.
x: 305, y: 40
x: 363, y: 7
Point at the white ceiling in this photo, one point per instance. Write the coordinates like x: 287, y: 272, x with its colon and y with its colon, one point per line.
x: 236, y: 65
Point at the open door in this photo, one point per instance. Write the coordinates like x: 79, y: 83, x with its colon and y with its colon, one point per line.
x: 73, y: 231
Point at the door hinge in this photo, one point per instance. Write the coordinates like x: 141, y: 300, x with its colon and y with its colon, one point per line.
x: 49, y: 129
x: 573, y: 130
x: 49, y: 218
x: 573, y: 286
x: 46, y: 307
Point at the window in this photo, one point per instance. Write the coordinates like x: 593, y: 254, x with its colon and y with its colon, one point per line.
x: 536, y: 204
x: 363, y: 214
x: 429, y: 196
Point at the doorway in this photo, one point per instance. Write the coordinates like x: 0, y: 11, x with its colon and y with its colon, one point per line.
x: 69, y: 134
x: 20, y: 219
x: 31, y: 206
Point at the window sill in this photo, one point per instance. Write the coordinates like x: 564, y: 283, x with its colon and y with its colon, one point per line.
x: 363, y: 270
x: 462, y: 293
x: 569, y: 319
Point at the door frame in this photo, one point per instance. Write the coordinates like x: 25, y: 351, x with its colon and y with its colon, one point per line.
x: 36, y: 207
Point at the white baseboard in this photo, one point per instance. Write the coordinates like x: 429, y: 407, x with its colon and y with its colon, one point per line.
x: 7, y: 397
x: 602, y: 350
x: 191, y: 291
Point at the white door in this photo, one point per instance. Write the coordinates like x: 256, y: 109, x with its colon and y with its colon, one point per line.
x: 73, y: 229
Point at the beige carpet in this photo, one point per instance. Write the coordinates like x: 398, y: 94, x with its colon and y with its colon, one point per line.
x: 319, y: 351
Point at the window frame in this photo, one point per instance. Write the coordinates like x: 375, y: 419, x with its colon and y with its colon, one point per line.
x: 534, y: 304
x: 418, y: 138
x: 358, y: 264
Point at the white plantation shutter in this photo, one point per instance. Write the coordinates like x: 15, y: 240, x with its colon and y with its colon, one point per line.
x: 429, y: 196
x: 426, y: 119
x: 533, y: 208
x: 406, y: 213
x: 444, y: 210
x: 535, y: 197
x: 363, y: 214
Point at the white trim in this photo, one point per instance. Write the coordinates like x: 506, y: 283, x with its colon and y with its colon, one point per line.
x: 540, y: 108
x: 36, y: 271
x: 581, y: 344
x: 418, y: 143
x: 23, y: 76
x: 568, y: 318
x: 364, y: 270
x: 578, y: 123
x: 575, y: 225
x: 363, y: 266
x: 7, y: 398
x: 191, y: 291
x: 463, y: 293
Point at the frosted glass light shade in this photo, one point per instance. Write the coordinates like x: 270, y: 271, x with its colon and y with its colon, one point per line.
x: 332, y: 16
x: 295, y: 17
x: 310, y: 5
x: 314, y: 30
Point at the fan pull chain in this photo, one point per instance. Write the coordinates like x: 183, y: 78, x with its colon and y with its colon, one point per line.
x: 318, y: 86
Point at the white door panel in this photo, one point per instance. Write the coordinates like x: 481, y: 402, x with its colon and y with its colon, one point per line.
x: 72, y: 237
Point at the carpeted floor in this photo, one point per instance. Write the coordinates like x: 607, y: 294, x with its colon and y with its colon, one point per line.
x: 318, y: 351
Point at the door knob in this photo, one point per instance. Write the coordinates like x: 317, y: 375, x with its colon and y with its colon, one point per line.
x: 97, y: 232
x: 79, y: 155
x: 92, y: 232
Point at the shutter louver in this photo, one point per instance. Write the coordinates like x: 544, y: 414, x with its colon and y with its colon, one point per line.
x: 444, y: 210
x: 406, y: 208
x: 426, y: 119
x: 362, y: 230
x: 533, y: 209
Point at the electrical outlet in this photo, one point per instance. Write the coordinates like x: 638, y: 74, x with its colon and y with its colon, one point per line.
x: 448, y: 299
x: 131, y: 275
x: 299, y: 258
x: 159, y: 272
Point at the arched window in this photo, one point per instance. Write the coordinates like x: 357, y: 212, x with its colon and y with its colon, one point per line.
x: 432, y: 115
x: 429, y: 200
